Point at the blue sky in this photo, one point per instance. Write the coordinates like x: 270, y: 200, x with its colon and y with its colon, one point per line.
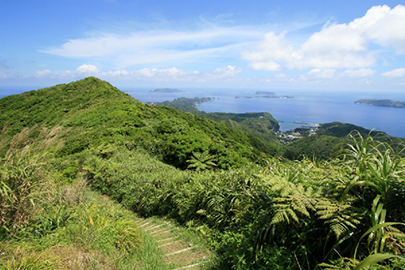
x: 320, y: 45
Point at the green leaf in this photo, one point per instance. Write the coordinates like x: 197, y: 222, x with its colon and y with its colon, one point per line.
x: 375, y: 258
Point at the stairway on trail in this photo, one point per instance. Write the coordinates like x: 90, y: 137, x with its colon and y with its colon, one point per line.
x: 178, y: 252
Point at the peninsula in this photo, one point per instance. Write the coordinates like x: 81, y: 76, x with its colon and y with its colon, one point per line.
x: 381, y: 103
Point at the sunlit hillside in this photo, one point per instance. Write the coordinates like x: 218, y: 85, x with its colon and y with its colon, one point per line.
x: 89, y: 174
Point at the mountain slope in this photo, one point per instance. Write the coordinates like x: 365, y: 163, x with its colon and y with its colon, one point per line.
x: 261, y: 125
x: 283, y: 215
x: 333, y: 136
x: 94, y: 114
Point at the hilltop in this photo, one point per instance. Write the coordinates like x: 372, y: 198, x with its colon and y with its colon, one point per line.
x: 94, y: 113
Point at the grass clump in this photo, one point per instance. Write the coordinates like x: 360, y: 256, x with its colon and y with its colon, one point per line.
x: 46, y: 224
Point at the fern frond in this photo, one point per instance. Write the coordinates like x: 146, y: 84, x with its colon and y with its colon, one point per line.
x: 340, y: 216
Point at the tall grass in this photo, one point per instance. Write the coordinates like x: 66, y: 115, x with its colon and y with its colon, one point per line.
x: 45, y: 224
x: 23, y: 180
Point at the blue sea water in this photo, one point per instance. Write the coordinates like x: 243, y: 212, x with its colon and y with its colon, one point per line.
x: 307, y: 106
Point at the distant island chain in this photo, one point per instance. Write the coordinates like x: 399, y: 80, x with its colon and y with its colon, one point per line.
x: 166, y: 90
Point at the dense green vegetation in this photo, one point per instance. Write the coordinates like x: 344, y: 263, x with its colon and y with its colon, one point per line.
x: 186, y: 104
x: 261, y: 125
x: 257, y: 210
x: 331, y: 137
x: 381, y: 103
x: 94, y: 114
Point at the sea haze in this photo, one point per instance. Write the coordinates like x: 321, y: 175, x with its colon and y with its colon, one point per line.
x: 306, y: 106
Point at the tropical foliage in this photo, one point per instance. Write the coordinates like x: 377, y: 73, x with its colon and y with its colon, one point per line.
x: 257, y: 210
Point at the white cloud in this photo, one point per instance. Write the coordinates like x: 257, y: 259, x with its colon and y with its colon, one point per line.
x: 384, y: 26
x: 155, y: 46
x: 319, y: 51
x: 144, y: 74
x: 169, y: 74
x: 336, y: 46
x: 42, y: 73
x: 322, y: 73
x: 280, y: 76
x: 87, y: 69
x: 226, y: 72
x: 316, y: 74
x: 272, y: 50
x: 83, y: 70
x: 358, y: 73
x: 400, y: 72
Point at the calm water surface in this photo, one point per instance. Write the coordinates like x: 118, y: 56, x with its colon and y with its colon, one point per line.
x: 306, y: 106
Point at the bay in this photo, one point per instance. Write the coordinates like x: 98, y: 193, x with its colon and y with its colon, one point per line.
x: 307, y: 106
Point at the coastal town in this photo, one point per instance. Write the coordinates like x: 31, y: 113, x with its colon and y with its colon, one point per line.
x: 307, y: 129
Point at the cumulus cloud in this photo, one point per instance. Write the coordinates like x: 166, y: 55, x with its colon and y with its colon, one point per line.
x: 317, y: 74
x: 321, y: 74
x: 143, y: 74
x: 400, y: 72
x: 167, y: 74
x: 336, y: 46
x: 226, y: 72
x: 273, y: 49
x: 87, y: 69
x: 384, y: 26
x: 358, y: 73
x: 280, y: 76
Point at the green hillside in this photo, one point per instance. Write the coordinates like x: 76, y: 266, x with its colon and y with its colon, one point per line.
x: 90, y: 178
x: 331, y: 137
x: 92, y: 114
x: 261, y: 125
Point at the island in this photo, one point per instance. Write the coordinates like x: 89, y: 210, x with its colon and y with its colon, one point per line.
x: 265, y: 96
x: 265, y: 93
x: 274, y: 97
x: 166, y: 90
x: 381, y: 103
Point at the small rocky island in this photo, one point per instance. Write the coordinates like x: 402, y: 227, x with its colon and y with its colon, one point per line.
x: 166, y: 90
x: 381, y: 103
x: 265, y: 93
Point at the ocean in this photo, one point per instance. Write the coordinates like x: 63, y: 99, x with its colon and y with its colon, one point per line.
x: 308, y: 106
x: 315, y: 107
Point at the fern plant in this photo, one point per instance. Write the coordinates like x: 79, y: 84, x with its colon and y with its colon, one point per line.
x: 341, y: 216
x: 201, y: 161
x: 294, y: 201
